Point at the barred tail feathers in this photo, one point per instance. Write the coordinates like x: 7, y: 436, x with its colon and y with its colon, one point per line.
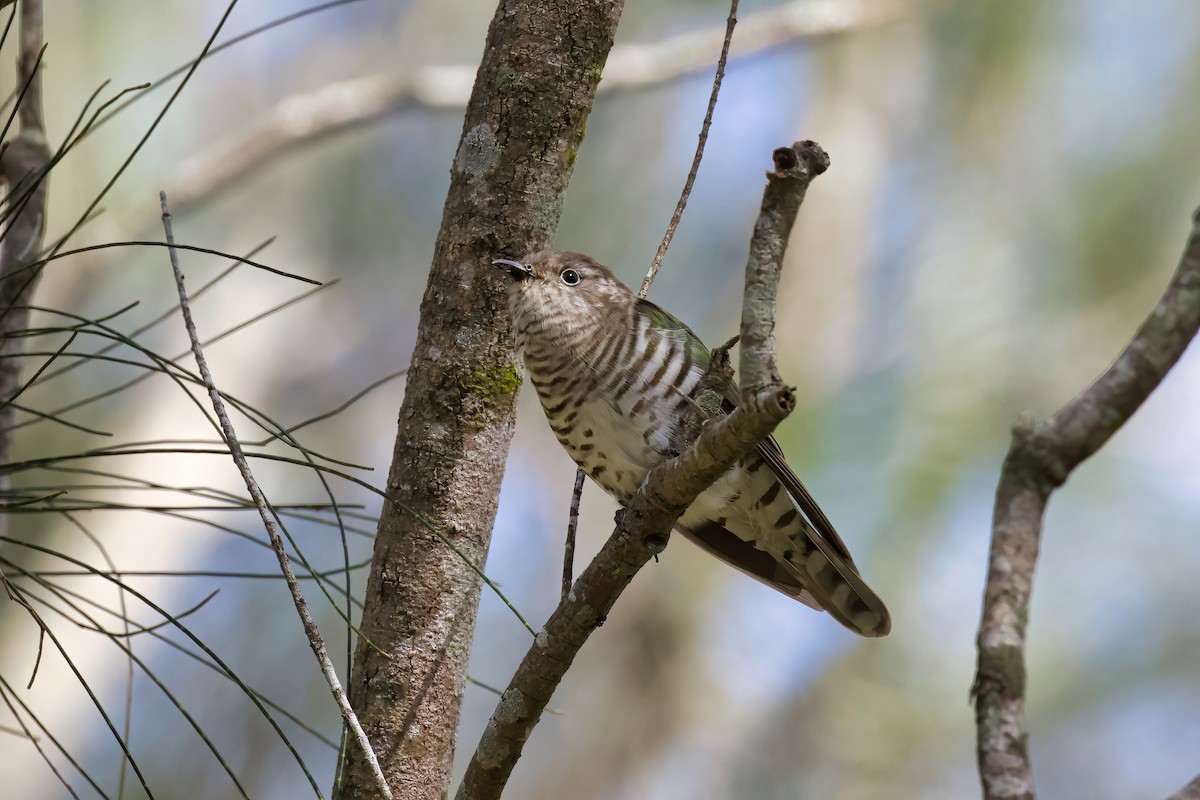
x: 836, y: 585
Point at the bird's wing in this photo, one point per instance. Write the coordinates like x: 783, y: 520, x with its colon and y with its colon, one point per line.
x: 772, y: 453
x: 768, y: 448
x: 719, y: 541
x: 727, y: 546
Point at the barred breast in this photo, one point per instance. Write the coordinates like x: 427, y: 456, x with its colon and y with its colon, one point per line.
x: 614, y: 399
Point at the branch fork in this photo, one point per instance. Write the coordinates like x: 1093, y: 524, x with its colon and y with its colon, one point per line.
x: 1041, y: 457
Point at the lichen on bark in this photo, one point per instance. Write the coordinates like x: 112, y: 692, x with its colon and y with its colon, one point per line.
x: 525, y: 120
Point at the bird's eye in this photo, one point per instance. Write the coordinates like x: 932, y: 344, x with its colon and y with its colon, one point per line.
x: 570, y: 277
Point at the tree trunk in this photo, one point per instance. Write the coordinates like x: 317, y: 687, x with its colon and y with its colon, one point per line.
x: 523, y: 126
x: 23, y: 168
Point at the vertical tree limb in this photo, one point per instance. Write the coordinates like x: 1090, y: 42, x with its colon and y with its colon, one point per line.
x: 23, y: 164
x: 645, y: 524
x: 1039, y: 460
x: 523, y: 127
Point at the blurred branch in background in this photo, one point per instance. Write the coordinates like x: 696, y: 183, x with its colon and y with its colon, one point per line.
x: 23, y: 164
x: 305, y: 119
x: 645, y: 525
x: 1040, y: 459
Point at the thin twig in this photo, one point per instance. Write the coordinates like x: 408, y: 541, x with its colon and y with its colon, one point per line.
x: 26, y: 733
x: 656, y: 263
x: 572, y: 527
x: 229, y: 434
x: 730, y: 22
x: 1039, y: 460
x: 95, y: 202
x: 646, y: 523
x: 127, y: 721
x: 212, y: 51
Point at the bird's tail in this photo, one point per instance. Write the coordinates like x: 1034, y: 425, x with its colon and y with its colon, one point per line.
x: 834, y: 584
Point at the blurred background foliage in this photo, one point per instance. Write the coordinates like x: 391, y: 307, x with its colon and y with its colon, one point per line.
x: 1010, y: 190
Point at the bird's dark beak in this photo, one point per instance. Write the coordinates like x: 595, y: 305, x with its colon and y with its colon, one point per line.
x: 514, y: 268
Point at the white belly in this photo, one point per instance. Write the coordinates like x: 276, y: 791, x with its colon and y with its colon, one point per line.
x: 627, y: 456
x: 616, y: 454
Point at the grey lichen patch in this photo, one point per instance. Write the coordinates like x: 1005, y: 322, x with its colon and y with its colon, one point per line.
x: 477, y: 152
x: 513, y: 706
x: 508, y: 80
x: 545, y: 216
x: 469, y: 337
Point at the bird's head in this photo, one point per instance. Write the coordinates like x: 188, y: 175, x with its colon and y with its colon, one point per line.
x: 558, y: 293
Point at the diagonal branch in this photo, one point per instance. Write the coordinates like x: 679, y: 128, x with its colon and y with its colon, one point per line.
x: 315, y: 641
x: 645, y: 525
x: 1039, y: 460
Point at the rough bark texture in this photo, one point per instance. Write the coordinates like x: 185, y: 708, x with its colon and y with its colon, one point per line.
x: 523, y: 126
x: 795, y: 167
x: 645, y: 525
x: 1041, y: 457
x: 23, y: 166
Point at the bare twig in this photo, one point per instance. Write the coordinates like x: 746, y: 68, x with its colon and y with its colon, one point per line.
x: 308, y: 118
x: 572, y: 527
x: 212, y: 51
x: 656, y: 263
x: 660, y: 254
x: 677, y: 215
x: 645, y: 524
x: 1042, y: 455
x: 235, y: 450
x: 99, y: 197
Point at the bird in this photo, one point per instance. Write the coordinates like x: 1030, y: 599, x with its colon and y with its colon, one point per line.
x: 615, y: 375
